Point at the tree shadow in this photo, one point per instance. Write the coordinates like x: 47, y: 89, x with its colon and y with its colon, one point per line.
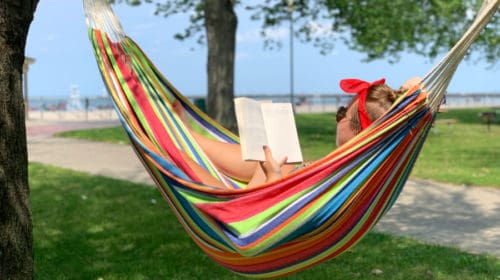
x: 458, y: 216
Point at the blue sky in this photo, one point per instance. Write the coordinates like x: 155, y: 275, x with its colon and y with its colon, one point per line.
x: 64, y: 59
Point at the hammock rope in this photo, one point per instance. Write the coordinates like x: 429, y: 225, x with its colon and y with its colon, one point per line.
x: 279, y: 228
x: 438, y: 78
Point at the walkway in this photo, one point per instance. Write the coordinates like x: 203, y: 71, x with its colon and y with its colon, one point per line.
x: 464, y: 217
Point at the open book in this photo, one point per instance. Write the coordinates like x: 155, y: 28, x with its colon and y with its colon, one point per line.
x: 266, y: 123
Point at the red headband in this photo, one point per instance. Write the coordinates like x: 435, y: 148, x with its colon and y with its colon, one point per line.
x: 361, y: 88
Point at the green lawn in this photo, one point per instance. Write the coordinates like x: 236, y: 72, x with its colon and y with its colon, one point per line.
x: 88, y: 227
x: 462, y: 153
x: 467, y: 152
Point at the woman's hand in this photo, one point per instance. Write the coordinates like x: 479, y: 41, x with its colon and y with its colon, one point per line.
x: 271, y: 167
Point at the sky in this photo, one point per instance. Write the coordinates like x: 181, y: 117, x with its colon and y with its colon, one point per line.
x: 58, y: 41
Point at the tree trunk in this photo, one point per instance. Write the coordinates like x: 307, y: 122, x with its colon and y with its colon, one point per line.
x: 220, y: 24
x: 16, y: 240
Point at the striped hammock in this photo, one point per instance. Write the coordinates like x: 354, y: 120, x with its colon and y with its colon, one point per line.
x: 308, y: 217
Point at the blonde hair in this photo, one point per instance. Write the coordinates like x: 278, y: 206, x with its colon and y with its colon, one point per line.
x: 379, y: 99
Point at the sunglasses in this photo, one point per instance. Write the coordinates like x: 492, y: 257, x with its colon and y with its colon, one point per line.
x: 341, y: 112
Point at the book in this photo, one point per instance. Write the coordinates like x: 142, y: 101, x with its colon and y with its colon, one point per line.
x: 266, y: 123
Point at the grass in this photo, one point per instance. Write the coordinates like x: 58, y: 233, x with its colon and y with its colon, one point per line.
x: 465, y: 153
x: 89, y: 227
x: 108, y: 134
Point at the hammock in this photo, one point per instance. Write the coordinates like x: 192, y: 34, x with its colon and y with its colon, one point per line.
x: 308, y: 217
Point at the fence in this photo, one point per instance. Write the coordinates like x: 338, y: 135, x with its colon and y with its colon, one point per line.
x: 101, y: 108
x: 71, y: 108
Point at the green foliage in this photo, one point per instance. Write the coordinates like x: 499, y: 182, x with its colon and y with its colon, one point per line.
x: 379, y: 28
x: 88, y: 227
x: 386, y: 28
x: 168, y: 8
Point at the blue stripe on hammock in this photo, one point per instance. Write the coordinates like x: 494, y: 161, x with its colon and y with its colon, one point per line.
x: 326, y: 211
x: 331, y: 207
x: 282, y: 216
x: 337, y: 200
x: 203, y: 122
x: 412, y: 161
x: 186, y: 205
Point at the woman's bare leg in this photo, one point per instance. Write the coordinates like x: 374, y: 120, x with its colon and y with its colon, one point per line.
x: 225, y: 156
x: 204, y: 176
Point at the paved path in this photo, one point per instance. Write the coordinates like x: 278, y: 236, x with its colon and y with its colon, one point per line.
x: 464, y: 217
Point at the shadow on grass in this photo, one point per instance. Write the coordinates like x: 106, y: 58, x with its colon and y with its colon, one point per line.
x: 457, y: 216
x: 88, y: 227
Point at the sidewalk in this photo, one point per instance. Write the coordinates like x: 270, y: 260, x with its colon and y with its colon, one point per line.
x: 464, y: 217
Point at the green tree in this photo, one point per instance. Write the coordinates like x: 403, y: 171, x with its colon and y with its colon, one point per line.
x: 16, y: 242
x: 381, y: 29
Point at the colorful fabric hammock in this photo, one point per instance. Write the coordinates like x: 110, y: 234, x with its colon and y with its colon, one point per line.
x: 308, y: 217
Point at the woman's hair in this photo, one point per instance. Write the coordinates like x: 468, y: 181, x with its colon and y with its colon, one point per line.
x: 378, y: 100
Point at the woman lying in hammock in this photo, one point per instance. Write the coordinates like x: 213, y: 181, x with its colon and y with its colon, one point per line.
x: 372, y: 100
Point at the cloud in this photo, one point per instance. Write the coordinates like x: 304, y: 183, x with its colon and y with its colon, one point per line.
x: 320, y: 29
x: 248, y: 36
x: 278, y: 33
x: 317, y: 29
x: 255, y: 35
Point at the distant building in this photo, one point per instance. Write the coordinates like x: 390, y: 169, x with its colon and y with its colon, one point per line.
x: 75, y: 102
x: 27, y: 62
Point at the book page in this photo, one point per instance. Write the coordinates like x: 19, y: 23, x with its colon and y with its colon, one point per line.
x: 251, y: 128
x: 281, y: 131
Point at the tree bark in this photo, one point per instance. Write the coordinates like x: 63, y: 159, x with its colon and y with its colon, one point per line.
x: 16, y: 240
x: 220, y: 24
